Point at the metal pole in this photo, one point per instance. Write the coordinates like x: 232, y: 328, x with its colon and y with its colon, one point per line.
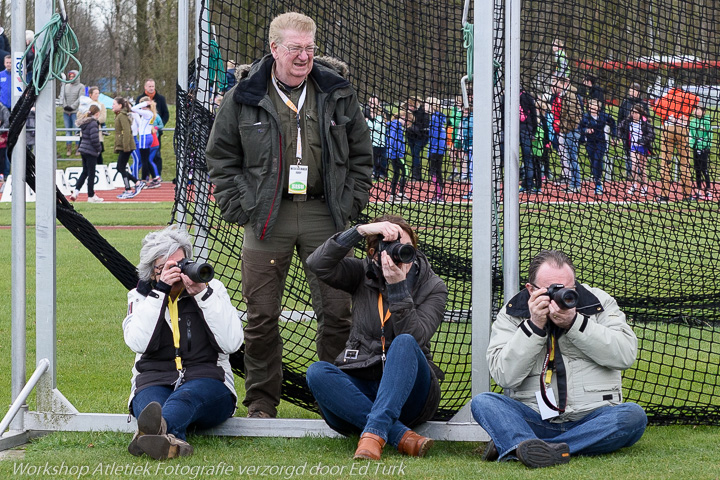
x: 22, y: 396
x: 482, y: 194
x: 203, y: 97
x: 182, y: 71
x: 511, y: 207
x: 45, y: 259
x: 18, y: 302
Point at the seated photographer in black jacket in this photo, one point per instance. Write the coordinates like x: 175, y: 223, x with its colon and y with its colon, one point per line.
x: 384, y: 382
x: 182, y: 331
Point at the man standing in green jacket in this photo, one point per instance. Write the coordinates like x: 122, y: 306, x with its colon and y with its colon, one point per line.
x: 291, y: 159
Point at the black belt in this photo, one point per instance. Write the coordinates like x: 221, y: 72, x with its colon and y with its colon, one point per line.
x: 288, y: 196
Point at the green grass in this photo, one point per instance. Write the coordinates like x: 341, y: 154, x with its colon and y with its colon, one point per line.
x: 94, y: 372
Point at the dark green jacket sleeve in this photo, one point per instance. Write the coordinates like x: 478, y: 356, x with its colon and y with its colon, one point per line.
x: 225, y: 159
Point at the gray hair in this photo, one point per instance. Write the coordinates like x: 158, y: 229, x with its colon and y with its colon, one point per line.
x: 162, y: 244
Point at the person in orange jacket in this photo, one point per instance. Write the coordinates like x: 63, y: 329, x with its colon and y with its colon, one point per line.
x: 674, y: 109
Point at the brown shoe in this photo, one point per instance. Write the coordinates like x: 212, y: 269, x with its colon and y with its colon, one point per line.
x: 161, y: 447
x: 414, y: 445
x: 369, y: 447
x: 150, y: 422
x: 67, y: 150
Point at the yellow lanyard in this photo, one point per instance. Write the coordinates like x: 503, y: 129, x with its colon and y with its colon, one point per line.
x: 551, y: 360
x: 296, y: 109
x: 174, y: 320
x: 383, y: 319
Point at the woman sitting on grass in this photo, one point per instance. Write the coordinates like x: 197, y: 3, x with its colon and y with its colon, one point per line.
x: 384, y: 381
x: 182, y: 333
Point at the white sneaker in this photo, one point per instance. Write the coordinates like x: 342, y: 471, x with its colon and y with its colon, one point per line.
x: 74, y: 195
x: 708, y: 195
x: 632, y: 188
x: 643, y: 191
x: 95, y: 199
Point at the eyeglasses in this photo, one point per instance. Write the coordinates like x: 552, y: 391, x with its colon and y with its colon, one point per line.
x: 294, y: 50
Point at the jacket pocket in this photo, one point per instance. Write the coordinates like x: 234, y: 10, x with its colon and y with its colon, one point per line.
x: 341, y: 149
x: 257, y: 143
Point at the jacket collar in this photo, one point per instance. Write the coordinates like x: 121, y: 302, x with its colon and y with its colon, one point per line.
x: 588, y: 303
x: 252, y: 83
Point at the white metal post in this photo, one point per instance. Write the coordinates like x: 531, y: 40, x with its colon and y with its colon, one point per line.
x: 182, y: 80
x: 511, y: 206
x: 49, y: 399
x: 19, y: 280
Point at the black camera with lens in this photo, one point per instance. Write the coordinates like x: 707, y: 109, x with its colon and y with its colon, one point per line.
x: 198, y: 272
x: 564, y: 297
x: 398, y: 252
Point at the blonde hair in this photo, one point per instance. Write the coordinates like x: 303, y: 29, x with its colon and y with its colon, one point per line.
x: 151, y: 106
x: 290, y: 21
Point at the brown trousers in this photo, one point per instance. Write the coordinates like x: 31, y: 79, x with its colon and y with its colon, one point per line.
x: 675, y: 137
x: 300, y: 227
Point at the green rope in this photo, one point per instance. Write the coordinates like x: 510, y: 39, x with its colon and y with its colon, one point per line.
x: 60, y: 59
x: 469, y: 44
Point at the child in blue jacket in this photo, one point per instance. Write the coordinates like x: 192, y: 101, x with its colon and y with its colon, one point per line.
x: 592, y: 127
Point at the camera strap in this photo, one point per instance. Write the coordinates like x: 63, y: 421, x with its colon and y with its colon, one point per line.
x: 553, y: 361
x: 175, y: 322
x: 384, y: 316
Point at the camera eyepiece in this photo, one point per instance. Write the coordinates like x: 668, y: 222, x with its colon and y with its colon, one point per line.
x: 198, y: 272
x: 565, y: 297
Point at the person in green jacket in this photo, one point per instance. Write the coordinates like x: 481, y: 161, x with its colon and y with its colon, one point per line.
x: 700, y: 141
x: 290, y: 155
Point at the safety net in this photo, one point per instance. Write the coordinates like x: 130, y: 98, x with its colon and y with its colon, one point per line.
x: 628, y: 196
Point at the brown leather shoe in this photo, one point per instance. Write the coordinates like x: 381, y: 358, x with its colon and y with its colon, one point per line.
x: 414, y: 445
x: 161, y: 447
x: 150, y: 422
x: 369, y: 447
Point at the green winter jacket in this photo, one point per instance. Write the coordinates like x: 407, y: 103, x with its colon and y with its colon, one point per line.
x: 244, y: 151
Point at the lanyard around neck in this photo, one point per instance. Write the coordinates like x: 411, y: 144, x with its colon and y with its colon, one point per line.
x: 175, y: 322
x: 384, y: 316
x: 294, y: 108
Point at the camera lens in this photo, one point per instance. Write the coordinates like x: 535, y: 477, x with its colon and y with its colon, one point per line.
x: 403, y: 253
x: 198, y: 272
x: 568, y: 298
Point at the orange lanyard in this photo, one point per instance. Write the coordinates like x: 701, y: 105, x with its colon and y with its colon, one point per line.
x: 383, y: 319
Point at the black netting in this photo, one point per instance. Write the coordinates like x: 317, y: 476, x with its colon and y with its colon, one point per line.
x: 657, y: 256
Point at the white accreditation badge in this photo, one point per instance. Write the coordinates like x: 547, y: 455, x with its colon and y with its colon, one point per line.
x: 545, y: 411
x: 298, y: 179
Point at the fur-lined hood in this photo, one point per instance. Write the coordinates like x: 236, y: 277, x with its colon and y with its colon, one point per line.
x: 328, y: 74
x: 342, y: 68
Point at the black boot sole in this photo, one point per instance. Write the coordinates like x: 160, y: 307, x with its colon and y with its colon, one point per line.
x: 539, y: 454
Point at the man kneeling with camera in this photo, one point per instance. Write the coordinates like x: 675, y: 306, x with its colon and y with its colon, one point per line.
x: 182, y: 326
x: 557, y: 349
x: 384, y: 382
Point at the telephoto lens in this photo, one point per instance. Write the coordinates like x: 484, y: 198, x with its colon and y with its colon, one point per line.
x: 198, y: 272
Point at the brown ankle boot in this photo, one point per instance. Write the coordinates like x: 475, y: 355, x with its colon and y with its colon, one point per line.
x: 369, y: 447
x: 414, y: 445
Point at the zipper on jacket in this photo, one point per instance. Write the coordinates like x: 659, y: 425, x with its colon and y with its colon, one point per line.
x: 272, y: 206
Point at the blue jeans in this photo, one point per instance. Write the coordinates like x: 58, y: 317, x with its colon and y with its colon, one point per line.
x: 382, y: 407
x: 69, y: 121
x: 596, y: 152
x: 202, y: 403
x: 509, y: 422
x: 527, y: 158
x: 416, y: 148
x: 570, y: 145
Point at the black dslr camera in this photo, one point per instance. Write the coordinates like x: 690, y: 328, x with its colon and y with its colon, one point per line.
x: 564, y: 297
x: 399, y: 252
x: 198, y: 272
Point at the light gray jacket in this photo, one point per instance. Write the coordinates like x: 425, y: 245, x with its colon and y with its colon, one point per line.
x: 598, y: 346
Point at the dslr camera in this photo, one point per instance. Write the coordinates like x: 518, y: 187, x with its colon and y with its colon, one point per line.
x: 398, y: 252
x: 198, y: 272
x: 565, y: 297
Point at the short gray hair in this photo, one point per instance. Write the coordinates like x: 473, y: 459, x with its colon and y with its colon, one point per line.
x: 162, y: 244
